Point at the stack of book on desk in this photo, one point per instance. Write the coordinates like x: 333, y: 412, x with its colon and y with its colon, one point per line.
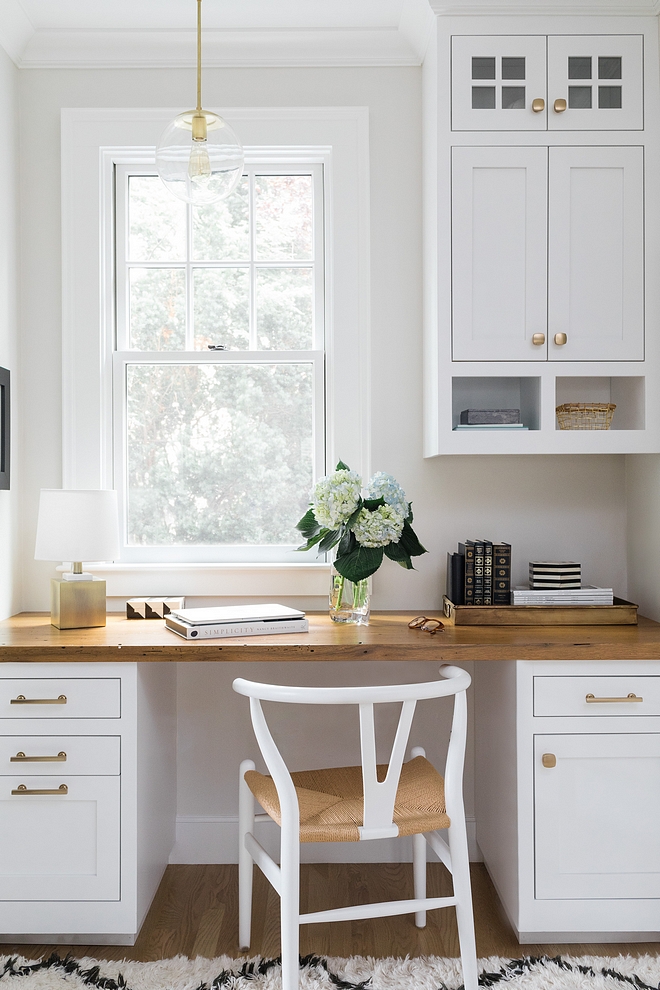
x: 480, y: 573
x: 236, y: 620
x: 587, y: 595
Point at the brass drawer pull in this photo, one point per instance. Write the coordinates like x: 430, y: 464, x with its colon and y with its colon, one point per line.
x: 591, y: 700
x: 22, y: 789
x: 559, y: 106
x: 538, y: 105
x: 549, y: 760
x: 22, y: 700
x: 22, y: 758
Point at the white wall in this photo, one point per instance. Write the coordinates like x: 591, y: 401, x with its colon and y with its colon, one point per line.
x: 562, y: 507
x: 9, y: 502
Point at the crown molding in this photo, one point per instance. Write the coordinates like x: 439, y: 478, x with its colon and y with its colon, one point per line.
x: 236, y: 48
x: 16, y: 29
x: 580, y: 8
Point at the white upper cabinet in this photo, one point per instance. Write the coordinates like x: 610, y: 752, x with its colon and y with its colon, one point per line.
x: 499, y: 83
x: 587, y: 206
x: 596, y: 254
x: 594, y: 82
x: 499, y: 237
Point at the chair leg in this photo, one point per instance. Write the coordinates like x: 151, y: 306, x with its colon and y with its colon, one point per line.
x: 419, y: 875
x: 290, y: 908
x: 460, y: 868
x: 245, y: 864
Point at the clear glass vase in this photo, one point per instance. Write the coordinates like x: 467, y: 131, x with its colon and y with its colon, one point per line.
x: 349, y: 601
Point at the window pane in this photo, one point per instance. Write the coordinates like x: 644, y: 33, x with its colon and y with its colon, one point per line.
x: 609, y: 97
x: 222, y: 307
x: 156, y: 221
x: 483, y: 97
x: 218, y: 454
x: 579, y: 97
x: 609, y: 67
x: 157, y: 309
x: 579, y: 66
x: 221, y: 231
x: 513, y: 97
x: 284, y: 308
x: 283, y: 210
x: 513, y: 68
x: 483, y: 67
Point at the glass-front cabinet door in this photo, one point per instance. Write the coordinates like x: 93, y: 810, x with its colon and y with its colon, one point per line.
x: 595, y: 82
x: 498, y: 83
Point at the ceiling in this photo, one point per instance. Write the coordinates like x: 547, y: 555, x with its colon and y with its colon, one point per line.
x: 129, y: 33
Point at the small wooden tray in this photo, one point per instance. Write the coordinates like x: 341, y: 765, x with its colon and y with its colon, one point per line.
x: 621, y: 613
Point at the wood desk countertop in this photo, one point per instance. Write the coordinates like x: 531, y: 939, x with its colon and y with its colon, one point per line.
x: 29, y: 637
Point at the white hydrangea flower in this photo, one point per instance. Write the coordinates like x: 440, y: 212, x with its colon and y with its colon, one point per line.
x: 378, y: 528
x: 385, y: 486
x: 336, y: 498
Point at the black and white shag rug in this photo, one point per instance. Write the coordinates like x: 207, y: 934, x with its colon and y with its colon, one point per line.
x: 319, y: 973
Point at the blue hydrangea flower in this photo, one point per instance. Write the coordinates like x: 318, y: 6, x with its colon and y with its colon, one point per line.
x: 378, y: 528
x: 385, y: 486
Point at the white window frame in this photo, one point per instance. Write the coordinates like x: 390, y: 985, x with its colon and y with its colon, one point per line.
x: 93, y: 143
x: 124, y: 357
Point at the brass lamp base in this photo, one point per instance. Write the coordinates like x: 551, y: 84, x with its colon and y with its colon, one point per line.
x: 77, y: 604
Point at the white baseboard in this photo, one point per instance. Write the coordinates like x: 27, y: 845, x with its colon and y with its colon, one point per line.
x: 201, y: 839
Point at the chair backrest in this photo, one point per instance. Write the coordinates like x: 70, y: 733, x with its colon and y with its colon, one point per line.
x: 379, y: 796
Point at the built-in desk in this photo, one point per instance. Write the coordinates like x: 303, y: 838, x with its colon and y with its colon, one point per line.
x: 30, y: 637
x: 573, y: 845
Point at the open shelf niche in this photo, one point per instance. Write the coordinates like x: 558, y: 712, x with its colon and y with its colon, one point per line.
x: 627, y: 393
x: 522, y: 393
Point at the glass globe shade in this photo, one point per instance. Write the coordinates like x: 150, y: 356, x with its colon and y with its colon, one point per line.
x: 204, y: 170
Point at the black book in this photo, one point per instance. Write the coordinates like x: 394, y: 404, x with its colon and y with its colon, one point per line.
x: 502, y: 573
x: 467, y: 550
x: 488, y: 572
x: 479, y: 572
x: 456, y: 578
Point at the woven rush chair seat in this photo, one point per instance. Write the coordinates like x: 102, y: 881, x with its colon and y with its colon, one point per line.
x: 331, y: 801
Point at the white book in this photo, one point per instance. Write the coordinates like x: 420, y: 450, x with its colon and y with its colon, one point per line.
x: 237, y: 613
x: 222, y: 630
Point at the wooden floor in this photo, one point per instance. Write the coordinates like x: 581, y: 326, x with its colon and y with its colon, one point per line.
x: 195, y: 912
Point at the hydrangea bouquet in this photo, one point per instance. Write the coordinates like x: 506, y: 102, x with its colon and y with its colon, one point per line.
x: 364, y: 526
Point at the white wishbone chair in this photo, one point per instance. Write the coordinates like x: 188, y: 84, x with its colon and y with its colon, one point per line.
x: 332, y: 805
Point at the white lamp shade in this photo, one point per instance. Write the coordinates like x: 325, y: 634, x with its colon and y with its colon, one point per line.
x: 77, y: 525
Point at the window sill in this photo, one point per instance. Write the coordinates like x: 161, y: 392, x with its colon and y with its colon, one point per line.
x: 213, y: 580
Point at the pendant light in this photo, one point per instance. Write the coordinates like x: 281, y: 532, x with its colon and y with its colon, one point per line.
x: 198, y: 157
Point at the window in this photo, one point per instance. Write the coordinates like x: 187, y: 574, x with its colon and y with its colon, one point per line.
x: 101, y: 149
x: 218, y: 395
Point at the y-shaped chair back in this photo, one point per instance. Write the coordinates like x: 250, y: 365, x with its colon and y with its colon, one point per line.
x: 379, y: 809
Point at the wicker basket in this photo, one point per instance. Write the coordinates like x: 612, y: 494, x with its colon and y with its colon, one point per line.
x: 585, y: 415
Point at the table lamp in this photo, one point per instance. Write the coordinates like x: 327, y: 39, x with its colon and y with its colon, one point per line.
x: 77, y: 526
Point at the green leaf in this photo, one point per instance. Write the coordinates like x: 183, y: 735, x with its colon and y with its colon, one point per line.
x: 347, y: 542
x: 396, y: 552
x: 409, y: 517
x: 410, y: 543
x: 360, y: 563
x: 331, y: 538
x: 352, y: 519
x: 342, y: 467
x: 313, y: 540
x: 308, y: 525
x: 373, y: 503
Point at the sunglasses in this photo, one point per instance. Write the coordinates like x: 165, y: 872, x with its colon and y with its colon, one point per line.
x: 426, y: 625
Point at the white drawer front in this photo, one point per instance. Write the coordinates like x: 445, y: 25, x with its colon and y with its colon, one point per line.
x: 60, y: 697
x: 62, y: 846
x: 55, y: 755
x: 588, y: 695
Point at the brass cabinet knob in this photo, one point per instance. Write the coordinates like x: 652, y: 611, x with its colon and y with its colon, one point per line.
x: 538, y: 105
x: 549, y: 760
x: 560, y: 338
x: 538, y: 339
x: 559, y: 106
